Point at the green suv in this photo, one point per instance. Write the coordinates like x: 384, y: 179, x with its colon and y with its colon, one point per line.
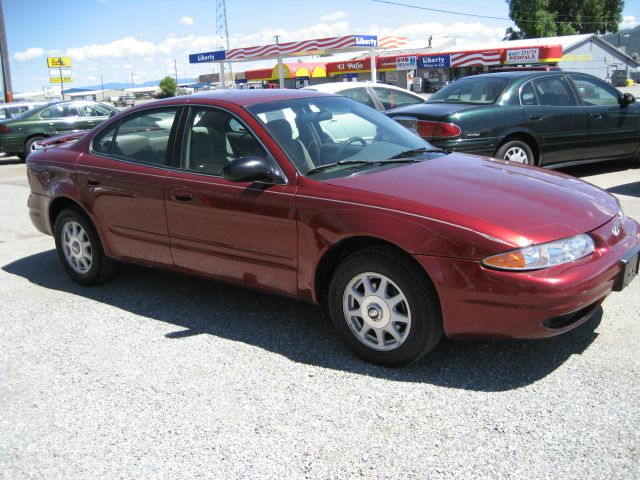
x: 19, y: 134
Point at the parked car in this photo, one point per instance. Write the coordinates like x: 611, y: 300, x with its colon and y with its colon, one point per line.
x: 404, y: 243
x: 544, y: 118
x: 19, y: 135
x: 376, y: 95
x: 126, y: 100
x: 11, y: 110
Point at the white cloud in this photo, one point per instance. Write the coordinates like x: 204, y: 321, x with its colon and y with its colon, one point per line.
x: 186, y: 21
x: 628, y: 21
x: 339, y: 15
x: 28, y: 54
x: 125, y: 47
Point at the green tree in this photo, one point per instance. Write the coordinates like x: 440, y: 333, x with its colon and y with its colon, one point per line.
x: 549, y: 18
x: 168, y: 87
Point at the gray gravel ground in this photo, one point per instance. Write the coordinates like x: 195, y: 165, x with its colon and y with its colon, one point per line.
x: 157, y: 375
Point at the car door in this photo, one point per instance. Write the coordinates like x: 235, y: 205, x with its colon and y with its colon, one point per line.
x: 237, y: 231
x: 122, y: 180
x: 614, y: 129
x: 556, y: 118
x: 60, y: 118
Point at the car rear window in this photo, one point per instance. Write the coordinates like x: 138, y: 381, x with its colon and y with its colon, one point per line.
x: 471, y: 90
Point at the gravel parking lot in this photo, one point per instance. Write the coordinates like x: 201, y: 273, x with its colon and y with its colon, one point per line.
x: 157, y: 375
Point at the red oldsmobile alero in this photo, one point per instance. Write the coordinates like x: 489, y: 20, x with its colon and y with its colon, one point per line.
x: 318, y: 197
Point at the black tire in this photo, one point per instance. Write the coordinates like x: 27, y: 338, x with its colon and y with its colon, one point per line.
x: 28, y: 145
x: 406, y: 279
x: 99, y: 268
x: 514, y: 149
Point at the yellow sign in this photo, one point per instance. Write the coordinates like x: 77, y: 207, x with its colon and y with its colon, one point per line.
x: 54, y: 62
x: 61, y: 80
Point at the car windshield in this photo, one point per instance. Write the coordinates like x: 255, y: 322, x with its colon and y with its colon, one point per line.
x: 475, y: 90
x: 332, y: 136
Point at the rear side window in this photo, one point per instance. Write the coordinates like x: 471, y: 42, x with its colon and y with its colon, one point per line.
x: 391, y: 98
x: 142, y: 137
x: 60, y: 111
x: 554, y: 91
x: 359, y: 95
x: 528, y: 95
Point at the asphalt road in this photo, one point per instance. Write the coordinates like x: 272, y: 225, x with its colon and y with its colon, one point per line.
x: 157, y: 375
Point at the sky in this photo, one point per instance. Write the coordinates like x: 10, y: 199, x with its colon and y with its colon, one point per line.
x: 111, y: 40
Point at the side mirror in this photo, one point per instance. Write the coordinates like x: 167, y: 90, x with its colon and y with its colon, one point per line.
x: 252, y: 169
x: 627, y: 99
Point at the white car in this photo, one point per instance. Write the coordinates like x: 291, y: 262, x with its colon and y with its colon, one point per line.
x: 10, y: 110
x: 380, y: 96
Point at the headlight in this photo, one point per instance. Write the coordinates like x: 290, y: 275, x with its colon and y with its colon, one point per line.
x: 544, y: 255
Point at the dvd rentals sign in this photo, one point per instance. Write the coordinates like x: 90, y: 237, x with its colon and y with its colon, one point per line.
x: 406, y: 63
x: 522, y: 56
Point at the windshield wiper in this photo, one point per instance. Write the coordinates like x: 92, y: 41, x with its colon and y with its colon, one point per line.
x: 319, y: 168
x: 417, y: 151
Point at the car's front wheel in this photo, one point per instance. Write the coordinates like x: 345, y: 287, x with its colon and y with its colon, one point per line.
x: 80, y: 250
x: 383, y: 307
x: 516, y: 151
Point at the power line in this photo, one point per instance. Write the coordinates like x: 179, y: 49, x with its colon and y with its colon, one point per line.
x: 417, y: 7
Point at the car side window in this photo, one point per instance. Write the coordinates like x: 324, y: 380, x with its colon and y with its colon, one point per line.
x: 391, y: 98
x: 213, y: 138
x: 528, y: 95
x: 554, y: 91
x: 141, y: 137
x: 61, y: 110
x: 359, y: 95
x: 593, y: 92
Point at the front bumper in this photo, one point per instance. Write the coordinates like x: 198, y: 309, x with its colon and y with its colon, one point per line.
x: 480, y: 302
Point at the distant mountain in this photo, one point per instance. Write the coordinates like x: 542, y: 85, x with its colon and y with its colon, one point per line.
x: 122, y: 86
x: 631, y: 43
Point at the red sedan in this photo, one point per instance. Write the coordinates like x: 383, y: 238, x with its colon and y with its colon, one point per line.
x: 321, y: 198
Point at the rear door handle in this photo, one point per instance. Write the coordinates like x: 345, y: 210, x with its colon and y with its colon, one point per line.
x: 92, y: 182
x: 535, y: 117
x: 182, y: 196
x: 596, y: 115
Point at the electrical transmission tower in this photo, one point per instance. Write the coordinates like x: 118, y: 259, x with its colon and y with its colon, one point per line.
x: 222, y: 33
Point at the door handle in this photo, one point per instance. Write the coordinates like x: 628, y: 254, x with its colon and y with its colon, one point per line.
x: 596, y: 115
x: 92, y: 182
x: 535, y: 117
x: 51, y: 124
x: 183, y: 197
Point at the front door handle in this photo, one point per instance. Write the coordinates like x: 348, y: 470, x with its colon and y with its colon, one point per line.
x: 92, y: 182
x: 182, y: 197
x: 535, y: 117
x: 596, y: 115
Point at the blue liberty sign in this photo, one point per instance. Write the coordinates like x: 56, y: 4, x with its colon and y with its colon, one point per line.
x: 435, y: 61
x: 366, y: 40
x: 208, y: 57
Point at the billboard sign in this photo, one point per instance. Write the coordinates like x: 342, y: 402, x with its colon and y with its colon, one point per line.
x: 60, y: 79
x: 366, y: 41
x: 206, y: 57
x: 57, y: 62
x: 406, y: 63
x: 435, y: 61
x: 523, y: 55
x: 56, y: 72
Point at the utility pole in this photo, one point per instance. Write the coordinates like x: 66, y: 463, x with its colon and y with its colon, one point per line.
x: 175, y: 66
x: 132, y: 80
x: 102, y: 87
x: 222, y: 34
x: 4, y: 60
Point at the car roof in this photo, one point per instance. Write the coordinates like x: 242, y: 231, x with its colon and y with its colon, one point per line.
x: 245, y: 97
x: 335, y: 87
x: 511, y: 75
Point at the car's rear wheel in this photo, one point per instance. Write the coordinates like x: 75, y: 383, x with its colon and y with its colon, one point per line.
x: 516, y: 151
x: 80, y: 250
x: 30, y: 145
x: 383, y: 307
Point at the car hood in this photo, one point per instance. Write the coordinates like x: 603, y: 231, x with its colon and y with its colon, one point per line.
x: 434, y: 111
x: 514, y: 205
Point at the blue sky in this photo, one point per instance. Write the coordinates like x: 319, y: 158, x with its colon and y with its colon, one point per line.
x: 114, y: 39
